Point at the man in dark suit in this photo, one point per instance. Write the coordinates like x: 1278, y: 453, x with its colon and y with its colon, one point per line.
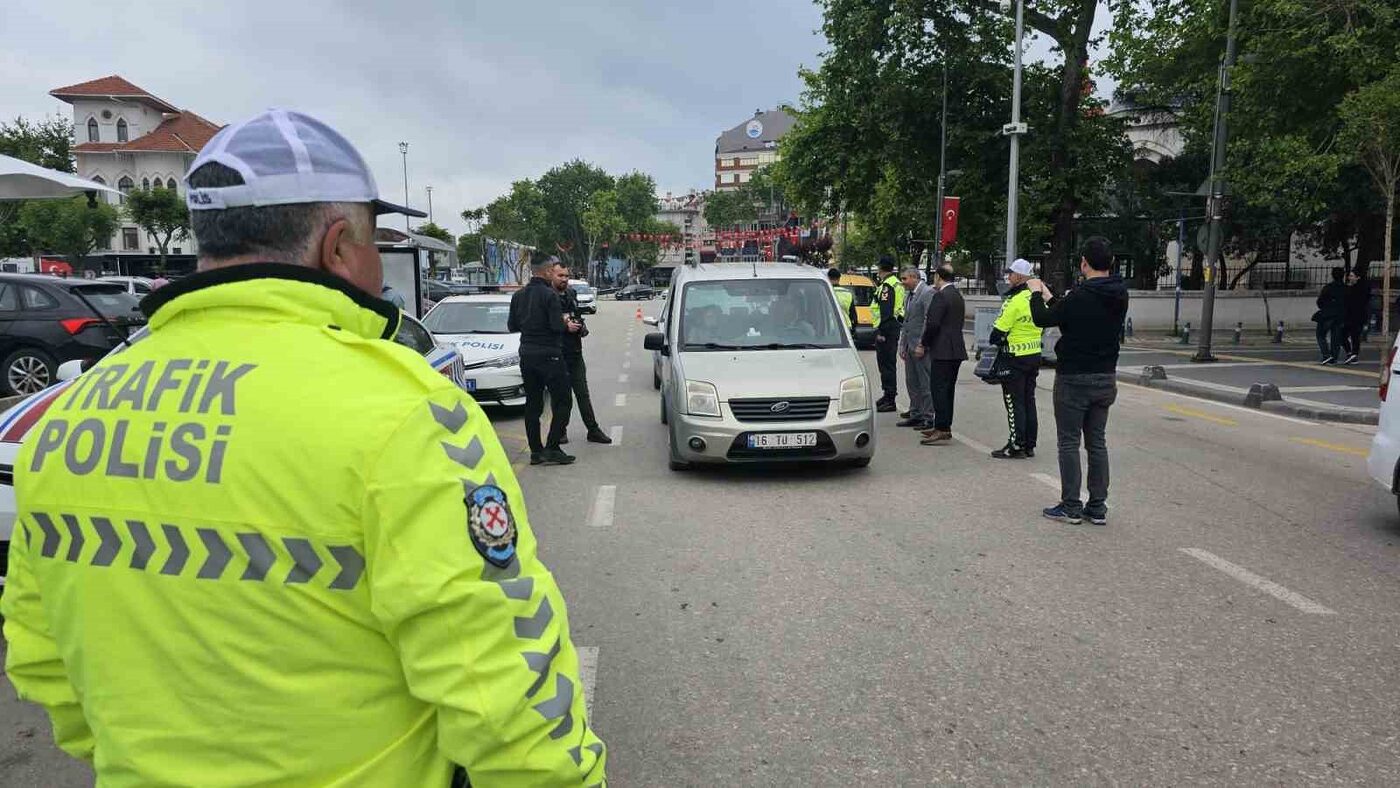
x: 943, y: 344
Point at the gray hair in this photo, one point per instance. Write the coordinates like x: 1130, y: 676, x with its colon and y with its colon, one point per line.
x: 282, y: 233
x: 911, y: 271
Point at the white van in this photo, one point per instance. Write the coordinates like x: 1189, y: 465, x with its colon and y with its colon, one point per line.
x: 1384, y: 460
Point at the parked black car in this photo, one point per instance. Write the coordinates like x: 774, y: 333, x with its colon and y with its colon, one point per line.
x: 438, y: 289
x: 45, y: 321
x: 636, y: 293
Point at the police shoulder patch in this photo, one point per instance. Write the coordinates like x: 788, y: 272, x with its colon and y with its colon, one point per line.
x: 491, y: 524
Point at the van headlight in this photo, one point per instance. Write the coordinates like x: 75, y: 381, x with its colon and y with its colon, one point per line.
x: 504, y: 361
x: 854, y: 395
x: 701, y: 399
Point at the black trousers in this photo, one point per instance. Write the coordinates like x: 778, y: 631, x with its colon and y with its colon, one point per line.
x: 545, y: 372
x: 1018, y: 394
x: 887, y: 359
x: 944, y: 381
x: 1329, y: 338
x: 1351, y: 337
x: 1081, y: 410
x: 578, y: 380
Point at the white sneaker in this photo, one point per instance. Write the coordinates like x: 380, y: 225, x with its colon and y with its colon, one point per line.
x: 1351, y: 359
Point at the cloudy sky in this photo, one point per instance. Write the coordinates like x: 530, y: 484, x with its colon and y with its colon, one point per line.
x: 484, y: 92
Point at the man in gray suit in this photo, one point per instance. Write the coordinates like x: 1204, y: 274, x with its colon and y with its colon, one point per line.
x: 945, y: 350
x: 916, y: 368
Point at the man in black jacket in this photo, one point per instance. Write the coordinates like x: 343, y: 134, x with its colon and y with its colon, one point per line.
x: 943, y: 344
x: 889, y: 303
x: 573, y: 359
x: 1331, y: 311
x: 1358, y: 308
x: 538, y: 316
x: 1090, y: 318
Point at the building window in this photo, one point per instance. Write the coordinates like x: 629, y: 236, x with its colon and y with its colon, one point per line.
x: 121, y: 129
x: 176, y: 250
x: 125, y: 186
x: 99, y: 179
x: 749, y: 161
x: 146, y: 183
x: 92, y: 129
x: 170, y: 184
x: 130, y: 242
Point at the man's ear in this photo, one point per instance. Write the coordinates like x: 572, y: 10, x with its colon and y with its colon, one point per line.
x: 331, y: 258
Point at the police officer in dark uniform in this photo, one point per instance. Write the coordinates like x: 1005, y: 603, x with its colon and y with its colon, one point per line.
x: 573, y: 359
x: 537, y: 314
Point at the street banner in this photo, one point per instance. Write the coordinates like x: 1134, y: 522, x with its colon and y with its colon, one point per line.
x: 951, y: 206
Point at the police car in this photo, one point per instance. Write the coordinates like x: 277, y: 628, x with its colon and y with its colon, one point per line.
x: 476, y: 325
x: 16, y: 422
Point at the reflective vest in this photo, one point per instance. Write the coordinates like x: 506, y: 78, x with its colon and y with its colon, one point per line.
x: 900, y: 294
x: 268, y: 546
x: 1022, y: 334
x: 845, y: 299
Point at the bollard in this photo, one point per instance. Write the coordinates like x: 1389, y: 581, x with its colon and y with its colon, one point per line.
x: 1239, y: 329
x: 1129, y: 329
x: 1185, y: 335
x: 639, y: 313
x: 1260, y: 393
x: 1278, y: 334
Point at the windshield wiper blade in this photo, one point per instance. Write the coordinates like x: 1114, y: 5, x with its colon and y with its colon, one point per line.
x: 713, y: 346
x: 789, y: 346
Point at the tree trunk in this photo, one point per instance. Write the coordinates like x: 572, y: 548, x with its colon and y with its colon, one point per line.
x: 1076, y: 49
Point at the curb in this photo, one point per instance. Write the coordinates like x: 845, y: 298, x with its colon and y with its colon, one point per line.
x: 1338, y: 415
x: 9, y: 402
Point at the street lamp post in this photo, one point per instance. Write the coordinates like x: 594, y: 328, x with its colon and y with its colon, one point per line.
x: 403, y: 149
x: 1014, y: 129
x: 942, y: 171
x: 1215, y: 207
x: 430, y: 204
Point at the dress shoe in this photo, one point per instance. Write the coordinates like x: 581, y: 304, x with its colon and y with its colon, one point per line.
x: 908, y: 422
x: 885, y: 407
x: 936, y: 438
x: 555, y: 457
x: 596, y: 435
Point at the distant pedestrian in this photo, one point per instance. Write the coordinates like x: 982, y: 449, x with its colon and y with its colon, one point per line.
x: 538, y: 316
x: 1090, y: 319
x: 1018, y: 335
x: 1356, y: 310
x: 911, y: 337
x: 945, y: 350
x: 1331, y: 312
x: 887, y: 312
x: 572, y: 344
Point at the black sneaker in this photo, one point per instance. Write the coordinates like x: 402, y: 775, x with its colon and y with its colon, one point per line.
x: 596, y: 435
x: 885, y: 407
x: 1009, y: 452
x: 536, y: 458
x: 1328, y: 360
x: 1097, y: 518
x: 555, y: 457
x: 908, y: 422
x: 1029, y: 452
x: 564, y: 440
x: 1352, y: 359
x: 904, y: 414
x: 1059, y: 513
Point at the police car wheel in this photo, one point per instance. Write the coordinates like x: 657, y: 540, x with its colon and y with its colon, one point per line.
x: 27, y: 371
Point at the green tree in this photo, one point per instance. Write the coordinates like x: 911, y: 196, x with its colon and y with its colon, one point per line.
x: 72, y: 228
x: 162, y: 214
x: 434, y: 231
x: 47, y: 143
x: 602, y: 221
x: 565, y: 192
x: 1371, y: 129
x: 729, y: 208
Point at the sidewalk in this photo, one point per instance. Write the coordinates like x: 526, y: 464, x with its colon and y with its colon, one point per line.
x: 1305, y: 388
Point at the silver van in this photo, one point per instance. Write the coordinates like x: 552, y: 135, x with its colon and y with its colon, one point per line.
x: 756, y: 365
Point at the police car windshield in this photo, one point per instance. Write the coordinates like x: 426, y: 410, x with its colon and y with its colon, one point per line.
x: 759, y: 314
x: 468, y: 318
x: 582, y: 289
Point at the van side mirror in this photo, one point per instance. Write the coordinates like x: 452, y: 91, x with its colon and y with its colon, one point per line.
x: 651, y: 321
x: 656, y: 342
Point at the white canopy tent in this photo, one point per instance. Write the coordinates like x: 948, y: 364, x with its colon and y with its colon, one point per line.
x: 20, y: 180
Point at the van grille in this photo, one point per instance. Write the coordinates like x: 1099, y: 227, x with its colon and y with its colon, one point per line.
x: 798, y: 409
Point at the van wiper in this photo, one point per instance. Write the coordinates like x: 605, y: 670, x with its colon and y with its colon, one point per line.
x: 713, y: 346
x: 789, y: 346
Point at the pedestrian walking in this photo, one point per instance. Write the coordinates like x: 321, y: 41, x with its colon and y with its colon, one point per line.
x: 537, y: 314
x: 1330, y: 314
x: 887, y: 312
x: 911, y: 337
x: 1356, y: 309
x: 945, y: 350
x: 307, y: 556
x: 572, y: 344
x: 1017, y: 335
x: 1090, y: 318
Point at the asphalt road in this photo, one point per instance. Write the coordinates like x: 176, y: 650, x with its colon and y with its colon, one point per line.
x: 919, y: 622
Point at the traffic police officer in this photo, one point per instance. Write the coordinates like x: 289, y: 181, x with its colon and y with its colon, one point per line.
x: 887, y: 312
x: 1018, y: 335
x: 269, y: 546
x: 844, y: 297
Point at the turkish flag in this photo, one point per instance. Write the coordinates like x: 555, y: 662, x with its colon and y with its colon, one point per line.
x: 950, y: 220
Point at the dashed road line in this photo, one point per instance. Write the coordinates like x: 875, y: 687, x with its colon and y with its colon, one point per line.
x: 971, y: 444
x: 1262, y: 584
x: 587, y: 674
x: 1047, y: 480
x: 1337, y: 447
x: 603, y: 506
x: 1202, y: 415
x: 627, y: 363
x: 616, y: 435
x: 622, y: 378
x: 620, y: 401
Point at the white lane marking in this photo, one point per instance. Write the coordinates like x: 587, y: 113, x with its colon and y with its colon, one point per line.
x: 1227, y: 406
x: 603, y: 506
x: 1255, y: 581
x: 616, y: 435
x: 620, y: 401
x: 971, y: 444
x: 627, y: 363
x: 622, y: 378
x: 1048, y: 480
x: 587, y: 673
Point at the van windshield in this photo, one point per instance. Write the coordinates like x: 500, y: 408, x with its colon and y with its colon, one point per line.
x: 759, y: 314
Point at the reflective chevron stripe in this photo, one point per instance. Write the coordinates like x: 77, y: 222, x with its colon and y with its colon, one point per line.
x: 304, y: 561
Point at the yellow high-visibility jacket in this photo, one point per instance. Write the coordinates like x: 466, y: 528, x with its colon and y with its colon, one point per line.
x: 267, y: 546
x: 1023, y: 336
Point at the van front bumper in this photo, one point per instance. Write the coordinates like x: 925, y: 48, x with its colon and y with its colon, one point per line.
x: 849, y: 436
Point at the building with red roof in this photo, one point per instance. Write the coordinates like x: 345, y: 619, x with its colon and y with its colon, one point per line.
x: 129, y: 138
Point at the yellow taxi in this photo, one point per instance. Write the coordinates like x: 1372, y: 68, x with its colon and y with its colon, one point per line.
x: 864, y: 290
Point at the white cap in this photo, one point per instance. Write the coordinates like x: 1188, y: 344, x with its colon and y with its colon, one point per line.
x: 286, y: 158
x: 1021, y: 266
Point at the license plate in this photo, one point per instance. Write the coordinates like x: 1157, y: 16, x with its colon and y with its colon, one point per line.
x: 783, y: 440
x: 471, y: 385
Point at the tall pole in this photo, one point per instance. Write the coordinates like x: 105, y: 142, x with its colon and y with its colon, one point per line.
x: 1215, y: 209
x: 942, y: 171
x: 1180, y: 244
x: 403, y: 149
x: 1014, y: 130
x: 430, y: 204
